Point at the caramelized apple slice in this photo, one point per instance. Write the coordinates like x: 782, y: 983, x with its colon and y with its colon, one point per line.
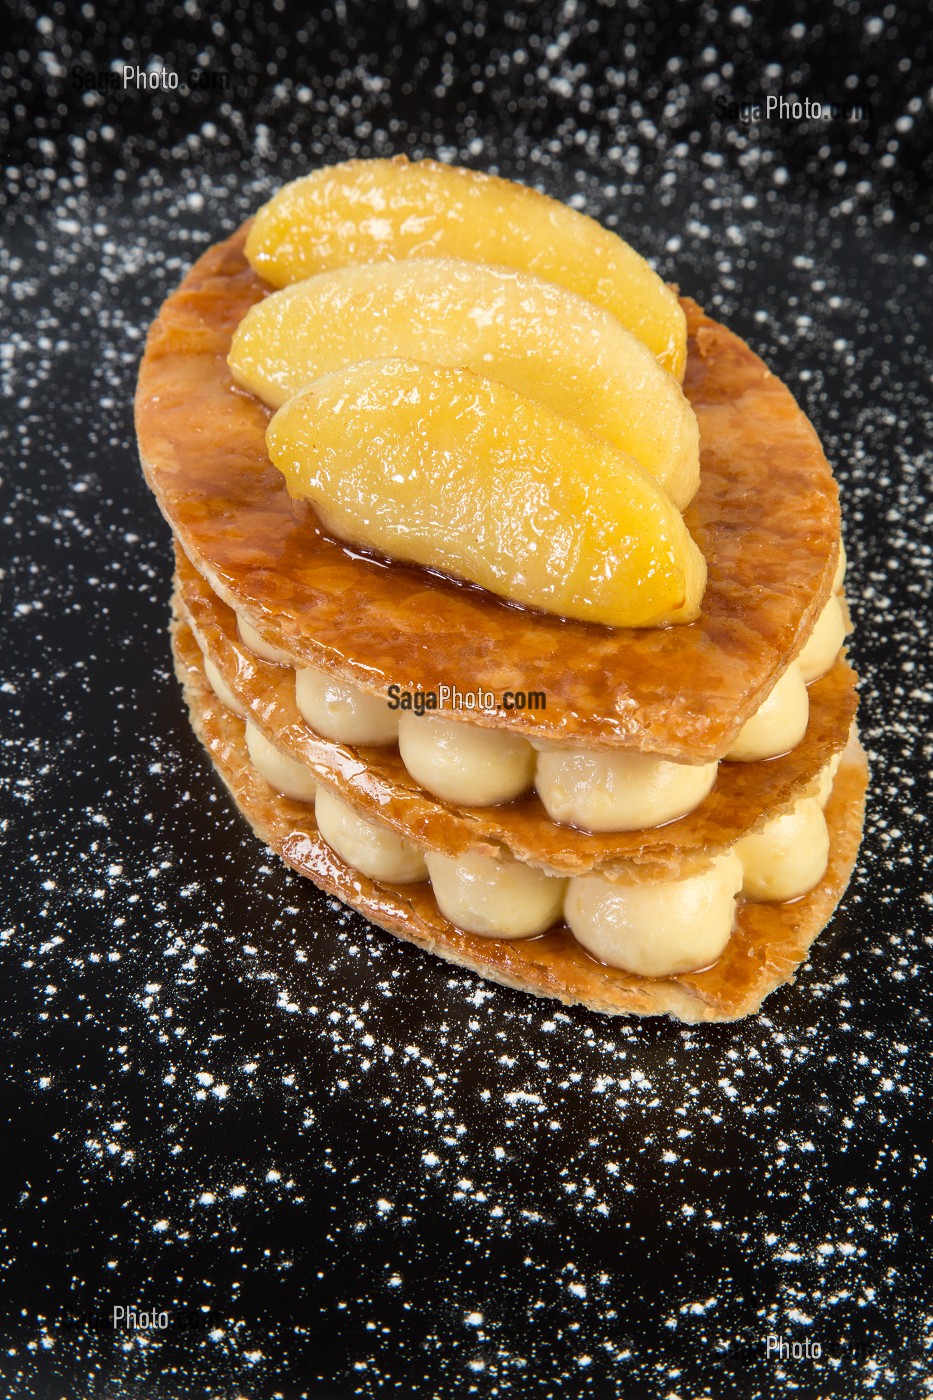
x: 373, y: 210
x: 513, y: 327
x: 443, y: 468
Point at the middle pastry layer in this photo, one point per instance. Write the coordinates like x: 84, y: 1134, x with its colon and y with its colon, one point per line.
x: 376, y: 782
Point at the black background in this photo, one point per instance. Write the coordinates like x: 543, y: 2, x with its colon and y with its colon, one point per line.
x: 341, y: 1167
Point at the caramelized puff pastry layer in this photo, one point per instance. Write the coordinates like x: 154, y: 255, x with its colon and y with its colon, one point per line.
x: 377, y: 783
x: 769, y: 942
x: 766, y: 518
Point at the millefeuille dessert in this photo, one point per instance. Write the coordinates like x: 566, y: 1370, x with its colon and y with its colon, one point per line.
x: 508, y: 595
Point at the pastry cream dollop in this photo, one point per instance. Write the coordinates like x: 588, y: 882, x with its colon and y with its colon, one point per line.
x: 258, y: 645
x: 495, y: 898
x: 286, y: 774
x: 373, y: 849
x: 341, y: 711
x: 221, y: 689
x: 656, y: 929
x: 604, y: 791
x: 779, y: 723
x: 463, y: 763
x: 788, y: 856
x: 822, y: 646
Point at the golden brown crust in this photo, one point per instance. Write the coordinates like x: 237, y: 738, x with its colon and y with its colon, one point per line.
x: 376, y: 782
x: 766, y: 518
x: 768, y: 946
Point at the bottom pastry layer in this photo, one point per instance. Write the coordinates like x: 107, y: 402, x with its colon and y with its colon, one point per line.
x: 769, y: 943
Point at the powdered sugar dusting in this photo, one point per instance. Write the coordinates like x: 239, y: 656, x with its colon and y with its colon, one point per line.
x: 342, y: 1168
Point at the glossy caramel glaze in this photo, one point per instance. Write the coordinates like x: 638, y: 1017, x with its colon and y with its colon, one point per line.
x: 376, y: 782
x: 769, y: 943
x: 766, y: 518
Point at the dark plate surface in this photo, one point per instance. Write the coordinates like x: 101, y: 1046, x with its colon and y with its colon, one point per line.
x: 338, y: 1166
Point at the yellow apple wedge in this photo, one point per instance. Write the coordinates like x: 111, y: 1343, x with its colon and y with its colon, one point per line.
x: 443, y: 468
x: 540, y: 339
x: 378, y: 210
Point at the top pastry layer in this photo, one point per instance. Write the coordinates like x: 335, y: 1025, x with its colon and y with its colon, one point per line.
x: 766, y: 518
